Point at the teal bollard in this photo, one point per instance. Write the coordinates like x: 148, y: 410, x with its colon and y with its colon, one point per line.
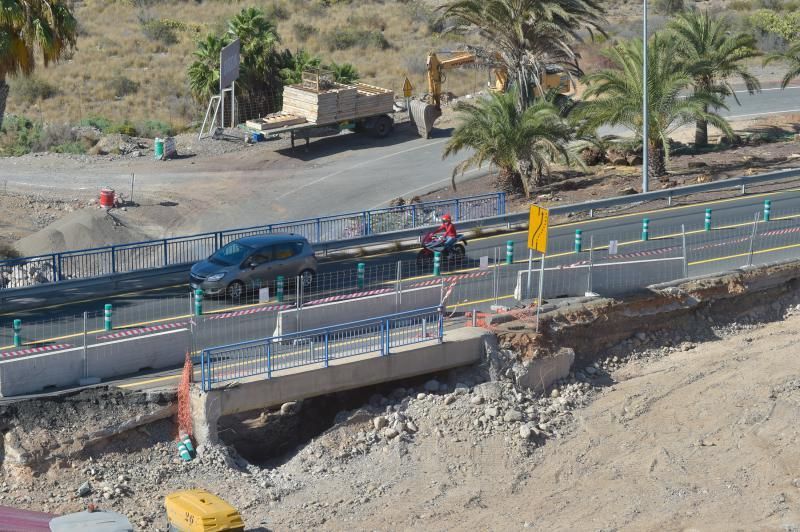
x: 360, y: 274
x: 510, y: 252
x: 578, y: 240
x: 708, y: 220
x: 767, y: 208
x: 198, y: 302
x: 646, y: 229
x: 17, y: 333
x: 437, y: 263
x: 279, y: 288
x: 107, y: 317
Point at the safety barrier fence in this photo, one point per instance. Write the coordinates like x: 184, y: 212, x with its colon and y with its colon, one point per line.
x: 154, y: 254
x: 272, y: 354
x: 465, y: 282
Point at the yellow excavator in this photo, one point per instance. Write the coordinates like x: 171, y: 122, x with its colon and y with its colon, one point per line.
x: 425, y: 114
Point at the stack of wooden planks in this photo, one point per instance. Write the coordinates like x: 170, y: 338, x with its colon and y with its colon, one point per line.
x: 275, y: 120
x: 337, y: 103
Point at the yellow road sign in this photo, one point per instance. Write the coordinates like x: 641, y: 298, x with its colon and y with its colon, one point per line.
x: 537, y: 229
x: 407, y: 88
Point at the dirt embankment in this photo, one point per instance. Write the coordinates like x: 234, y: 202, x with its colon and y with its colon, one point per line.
x: 681, y: 411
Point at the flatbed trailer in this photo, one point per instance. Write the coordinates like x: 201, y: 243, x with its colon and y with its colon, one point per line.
x: 380, y: 126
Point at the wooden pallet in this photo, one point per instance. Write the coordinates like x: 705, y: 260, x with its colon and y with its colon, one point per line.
x: 337, y: 104
x: 276, y: 120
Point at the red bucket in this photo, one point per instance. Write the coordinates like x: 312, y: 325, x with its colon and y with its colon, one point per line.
x: 107, y: 197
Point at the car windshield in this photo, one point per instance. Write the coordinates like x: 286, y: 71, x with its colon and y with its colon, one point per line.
x: 233, y: 253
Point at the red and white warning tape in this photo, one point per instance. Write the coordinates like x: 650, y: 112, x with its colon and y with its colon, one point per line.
x: 34, y: 350
x: 247, y: 312
x: 143, y: 330
x: 344, y: 297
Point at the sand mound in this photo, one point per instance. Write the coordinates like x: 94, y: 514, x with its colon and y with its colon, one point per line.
x: 87, y: 228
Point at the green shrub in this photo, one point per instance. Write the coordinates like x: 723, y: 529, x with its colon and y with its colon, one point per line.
x: 159, y: 31
x: 75, y: 147
x: 99, y: 122
x: 29, y: 90
x: 123, y: 86
x: 18, y: 135
x: 668, y: 7
x: 303, y: 31
x: 123, y: 128
x: 155, y: 128
x: 784, y: 25
x: 345, y: 38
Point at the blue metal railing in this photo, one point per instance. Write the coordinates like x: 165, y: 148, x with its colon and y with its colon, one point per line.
x: 152, y: 254
x: 320, y: 346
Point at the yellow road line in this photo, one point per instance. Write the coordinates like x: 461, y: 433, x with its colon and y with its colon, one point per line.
x: 770, y: 250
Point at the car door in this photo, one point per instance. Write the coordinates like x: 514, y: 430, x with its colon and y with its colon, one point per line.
x: 285, y: 261
x: 256, y: 269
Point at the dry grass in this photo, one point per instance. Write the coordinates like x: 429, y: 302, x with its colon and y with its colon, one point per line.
x: 121, y: 74
x: 113, y: 48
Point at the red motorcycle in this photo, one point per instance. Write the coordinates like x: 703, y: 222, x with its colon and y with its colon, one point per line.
x: 433, y: 242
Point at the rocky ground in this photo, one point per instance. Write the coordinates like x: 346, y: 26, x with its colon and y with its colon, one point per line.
x: 674, y: 430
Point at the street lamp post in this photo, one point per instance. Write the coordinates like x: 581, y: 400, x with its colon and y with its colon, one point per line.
x: 645, y: 122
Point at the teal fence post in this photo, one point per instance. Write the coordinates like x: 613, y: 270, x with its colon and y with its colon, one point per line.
x: 107, y: 316
x: 17, y: 333
x: 437, y: 261
x: 767, y: 208
x: 578, y: 239
x: 708, y: 220
x: 646, y: 229
x: 509, y: 252
x: 279, y: 288
x: 198, y: 302
x: 360, y: 275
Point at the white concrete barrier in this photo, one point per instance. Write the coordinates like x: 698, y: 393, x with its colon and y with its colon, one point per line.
x: 362, y: 308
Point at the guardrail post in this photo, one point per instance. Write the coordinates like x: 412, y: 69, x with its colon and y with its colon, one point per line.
x: 367, y: 223
x: 269, y: 360
x: 501, y: 203
x: 437, y: 263
x: 578, y: 239
x: 55, y: 269
x: 456, y: 210
x: 708, y: 220
x: 198, y: 302
x: 326, y: 349
x: 413, y: 215
x: 509, y: 252
x: 166, y: 253
x: 360, y: 275
x: 424, y: 327
x: 107, y: 317
x: 767, y: 208
x: 17, y: 333
x: 388, y: 330
x: 441, y: 324
x: 113, y: 260
x: 383, y: 338
x: 279, y: 288
x: 318, y: 227
x: 645, y: 229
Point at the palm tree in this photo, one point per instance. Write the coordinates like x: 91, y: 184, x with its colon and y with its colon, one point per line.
x: 614, y: 97
x: 713, y: 55
x: 344, y: 73
x: 31, y: 29
x: 791, y: 56
x: 300, y: 61
x: 204, y: 71
x: 528, y: 35
x: 258, y: 37
x: 522, y: 144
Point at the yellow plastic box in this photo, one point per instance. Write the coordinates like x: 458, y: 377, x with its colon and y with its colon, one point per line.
x: 200, y: 511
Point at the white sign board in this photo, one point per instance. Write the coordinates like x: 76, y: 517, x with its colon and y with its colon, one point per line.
x: 485, y: 262
x: 263, y: 295
x: 612, y: 247
x: 229, y: 65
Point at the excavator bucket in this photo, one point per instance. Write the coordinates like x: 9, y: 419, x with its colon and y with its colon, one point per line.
x: 423, y: 115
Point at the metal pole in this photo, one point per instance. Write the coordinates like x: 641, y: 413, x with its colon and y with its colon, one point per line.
x: 591, y: 263
x: 399, y: 282
x: 233, y: 105
x: 685, y: 261
x: 530, y: 272
x: 752, y: 239
x: 494, y: 279
x: 541, y: 289
x: 133, y: 180
x: 85, y: 358
x: 645, y: 121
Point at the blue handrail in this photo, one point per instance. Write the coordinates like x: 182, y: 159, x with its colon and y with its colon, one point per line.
x: 135, y: 256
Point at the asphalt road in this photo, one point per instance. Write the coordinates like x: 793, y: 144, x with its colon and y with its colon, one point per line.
x: 731, y: 220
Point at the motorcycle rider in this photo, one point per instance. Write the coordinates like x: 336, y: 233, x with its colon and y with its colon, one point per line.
x: 450, y: 234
